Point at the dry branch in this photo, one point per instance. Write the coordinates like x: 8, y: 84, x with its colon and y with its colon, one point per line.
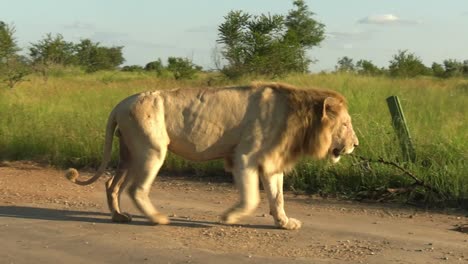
x: 417, y: 181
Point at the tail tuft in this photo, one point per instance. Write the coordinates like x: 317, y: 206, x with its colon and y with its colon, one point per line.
x: 72, y: 174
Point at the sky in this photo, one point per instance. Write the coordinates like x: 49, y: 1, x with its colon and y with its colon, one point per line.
x: 374, y: 30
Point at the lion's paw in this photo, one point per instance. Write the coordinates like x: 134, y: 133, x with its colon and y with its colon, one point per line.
x: 292, y: 224
x: 230, y: 218
x: 227, y: 219
x: 159, y: 219
x: 121, y: 217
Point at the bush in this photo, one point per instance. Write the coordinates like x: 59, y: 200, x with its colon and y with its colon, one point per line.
x: 366, y: 67
x: 132, y: 68
x: 156, y: 66
x: 406, y: 64
x: 182, y: 68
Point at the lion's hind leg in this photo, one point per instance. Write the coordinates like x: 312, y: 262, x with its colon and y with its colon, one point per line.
x: 115, y: 185
x: 247, y: 182
x: 144, y: 169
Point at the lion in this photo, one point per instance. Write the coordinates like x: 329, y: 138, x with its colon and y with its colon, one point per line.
x: 260, y: 131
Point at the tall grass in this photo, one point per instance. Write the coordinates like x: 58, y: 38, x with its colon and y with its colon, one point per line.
x: 436, y: 112
x: 62, y: 122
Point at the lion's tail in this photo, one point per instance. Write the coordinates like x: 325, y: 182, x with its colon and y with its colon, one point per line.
x: 72, y: 174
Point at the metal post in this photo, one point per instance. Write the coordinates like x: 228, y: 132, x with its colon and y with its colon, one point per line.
x: 399, y: 124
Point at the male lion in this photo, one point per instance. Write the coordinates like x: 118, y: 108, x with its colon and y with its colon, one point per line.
x: 259, y: 130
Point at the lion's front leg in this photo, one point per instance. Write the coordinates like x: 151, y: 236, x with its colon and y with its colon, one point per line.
x: 247, y: 182
x: 273, y: 185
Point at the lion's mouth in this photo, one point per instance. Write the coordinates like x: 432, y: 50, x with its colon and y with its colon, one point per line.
x: 336, y: 152
x: 335, y: 155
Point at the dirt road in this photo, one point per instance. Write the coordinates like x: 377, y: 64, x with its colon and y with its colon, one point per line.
x: 46, y: 219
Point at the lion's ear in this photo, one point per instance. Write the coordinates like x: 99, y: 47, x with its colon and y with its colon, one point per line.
x: 331, y: 107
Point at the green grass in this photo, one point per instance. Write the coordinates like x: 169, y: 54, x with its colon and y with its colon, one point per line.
x: 62, y: 122
x: 436, y: 113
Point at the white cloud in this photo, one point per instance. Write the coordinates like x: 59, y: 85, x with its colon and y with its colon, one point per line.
x: 386, y: 19
x: 346, y: 40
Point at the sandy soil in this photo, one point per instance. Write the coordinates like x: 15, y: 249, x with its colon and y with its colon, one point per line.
x: 46, y: 219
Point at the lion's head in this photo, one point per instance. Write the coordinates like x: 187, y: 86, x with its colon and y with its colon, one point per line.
x: 317, y: 125
x: 337, y: 123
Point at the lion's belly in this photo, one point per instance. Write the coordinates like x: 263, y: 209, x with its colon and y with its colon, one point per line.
x: 205, y: 125
x: 203, y: 144
x: 190, y: 151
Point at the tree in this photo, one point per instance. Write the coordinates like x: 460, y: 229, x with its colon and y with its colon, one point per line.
x: 406, y: 64
x: 345, y: 64
x: 302, y: 28
x: 450, y: 68
x: 94, y: 57
x: 156, y: 66
x: 14, y: 71
x: 8, y: 45
x: 453, y: 68
x: 268, y: 44
x: 366, y: 67
x: 85, y: 50
x: 182, y: 68
x: 50, y: 51
x: 106, y: 58
x: 438, y: 70
x: 465, y: 67
x: 13, y: 67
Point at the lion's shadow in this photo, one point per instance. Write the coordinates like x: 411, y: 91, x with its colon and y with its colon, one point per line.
x: 51, y: 214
